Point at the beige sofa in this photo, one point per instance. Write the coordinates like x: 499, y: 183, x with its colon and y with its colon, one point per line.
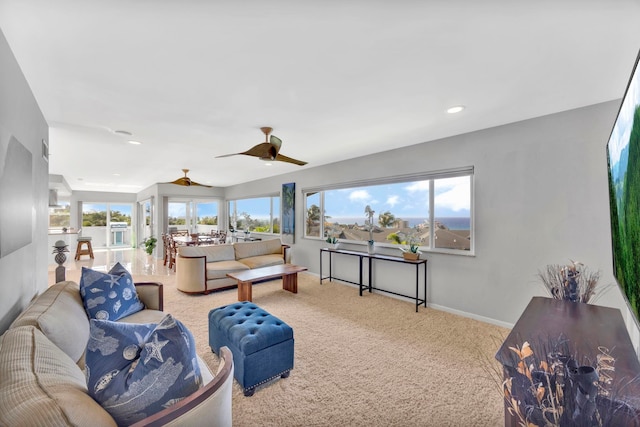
x: 202, y: 269
x: 42, y: 381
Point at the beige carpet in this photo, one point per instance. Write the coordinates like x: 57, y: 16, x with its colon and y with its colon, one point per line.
x: 359, y: 361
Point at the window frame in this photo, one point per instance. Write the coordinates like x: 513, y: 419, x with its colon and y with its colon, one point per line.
x: 427, y: 176
x: 273, y: 205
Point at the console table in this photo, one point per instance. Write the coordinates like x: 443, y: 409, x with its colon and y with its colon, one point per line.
x: 371, y: 258
x: 585, y: 329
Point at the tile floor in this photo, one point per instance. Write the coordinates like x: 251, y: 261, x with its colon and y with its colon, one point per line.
x: 134, y: 260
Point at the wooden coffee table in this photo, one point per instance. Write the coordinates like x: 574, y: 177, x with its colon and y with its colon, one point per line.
x: 288, y: 272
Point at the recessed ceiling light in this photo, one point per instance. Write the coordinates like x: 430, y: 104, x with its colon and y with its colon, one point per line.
x: 116, y: 174
x: 455, y: 109
x: 123, y: 132
x: 268, y: 164
x: 134, y: 142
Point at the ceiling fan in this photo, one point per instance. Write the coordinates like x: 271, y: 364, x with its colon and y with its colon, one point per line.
x: 186, y: 181
x: 268, y: 150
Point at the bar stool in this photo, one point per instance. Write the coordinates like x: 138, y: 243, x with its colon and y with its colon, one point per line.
x: 80, y: 249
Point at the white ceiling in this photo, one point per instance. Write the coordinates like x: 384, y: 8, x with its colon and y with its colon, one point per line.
x: 194, y: 79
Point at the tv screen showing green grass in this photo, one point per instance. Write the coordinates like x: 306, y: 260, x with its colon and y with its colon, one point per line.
x: 623, y: 156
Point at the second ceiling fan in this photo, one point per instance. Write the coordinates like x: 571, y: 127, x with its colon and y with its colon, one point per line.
x: 268, y: 150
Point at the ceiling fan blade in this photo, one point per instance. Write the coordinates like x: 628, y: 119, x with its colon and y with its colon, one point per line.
x: 263, y: 150
x: 276, y: 143
x: 193, y: 183
x: 282, y: 158
x: 186, y: 181
x: 179, y: 181
x: 268, y: 150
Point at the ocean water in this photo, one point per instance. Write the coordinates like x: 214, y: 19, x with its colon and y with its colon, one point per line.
x: 452, y: 223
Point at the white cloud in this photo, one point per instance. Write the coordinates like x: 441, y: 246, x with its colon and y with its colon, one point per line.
x: 417, y: 186
x: 456, y: 197
x: 393, y: 200
x: 360, y: 196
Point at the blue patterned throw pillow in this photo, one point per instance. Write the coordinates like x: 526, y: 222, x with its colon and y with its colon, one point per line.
x: 136, y: 370
x: 109, y: 296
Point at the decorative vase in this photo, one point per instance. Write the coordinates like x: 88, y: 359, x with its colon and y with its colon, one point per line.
x: 59, y: 249
x: 335, y: 246
x: 412, y: 256
x: 371, y: 249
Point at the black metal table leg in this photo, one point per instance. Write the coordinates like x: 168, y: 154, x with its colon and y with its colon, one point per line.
x: 425, y: 284
x: 417, y: 287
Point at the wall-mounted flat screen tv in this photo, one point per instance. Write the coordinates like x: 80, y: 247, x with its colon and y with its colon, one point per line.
x: 623, y: 155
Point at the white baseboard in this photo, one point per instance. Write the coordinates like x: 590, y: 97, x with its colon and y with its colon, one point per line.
x: 434, y: 306
x: 471, y: 316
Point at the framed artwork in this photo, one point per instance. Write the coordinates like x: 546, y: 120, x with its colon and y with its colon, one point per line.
x: 16, y: 196
x: 288, y: 213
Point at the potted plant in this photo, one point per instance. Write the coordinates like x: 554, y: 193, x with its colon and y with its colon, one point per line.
x: 149, y: 244
x: 411, y: 250
x: 333, y: 241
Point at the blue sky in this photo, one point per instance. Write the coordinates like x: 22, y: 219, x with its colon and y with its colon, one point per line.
x: 408, y: 200
x: 178, y: 209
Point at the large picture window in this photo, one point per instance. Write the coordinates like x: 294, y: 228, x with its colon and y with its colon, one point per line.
x: 108, y: 224
x: 434, y: 210
x: 261, y: 214
x: 194, y: 216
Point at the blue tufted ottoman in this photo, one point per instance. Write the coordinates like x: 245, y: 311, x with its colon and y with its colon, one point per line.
x: 262, y: 344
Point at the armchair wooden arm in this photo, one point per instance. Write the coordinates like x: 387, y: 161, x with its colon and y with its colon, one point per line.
x: 151, y: 294
x: 286, y: 253
x: 210, y: 405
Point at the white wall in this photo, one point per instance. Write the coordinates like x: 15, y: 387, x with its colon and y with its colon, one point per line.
x: 23, y: 273
x: 541, y: 197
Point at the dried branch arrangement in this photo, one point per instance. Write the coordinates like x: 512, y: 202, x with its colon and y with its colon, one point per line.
x: 554, y: 389
x: 571, y: 282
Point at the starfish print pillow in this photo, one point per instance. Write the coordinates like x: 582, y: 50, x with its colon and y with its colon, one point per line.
x: 135, y: 370
x: 109, y: 296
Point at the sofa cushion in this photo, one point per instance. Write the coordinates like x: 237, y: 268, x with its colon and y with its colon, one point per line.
x: 58, y: 312
x: 109, y: 296
x: 219, y: 270
x: 136, y: 370
x: 211, y: 253
x: 261, y: 247
x: 40, y: 385
x: 262, y: 261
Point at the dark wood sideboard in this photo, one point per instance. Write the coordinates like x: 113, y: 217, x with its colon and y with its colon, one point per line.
x: 585, y: 331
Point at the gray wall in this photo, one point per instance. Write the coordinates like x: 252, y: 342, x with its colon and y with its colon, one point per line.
x: 23, y: 272
x: 541, y: 197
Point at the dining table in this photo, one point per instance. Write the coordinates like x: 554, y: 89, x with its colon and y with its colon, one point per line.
x: 196, y: 240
